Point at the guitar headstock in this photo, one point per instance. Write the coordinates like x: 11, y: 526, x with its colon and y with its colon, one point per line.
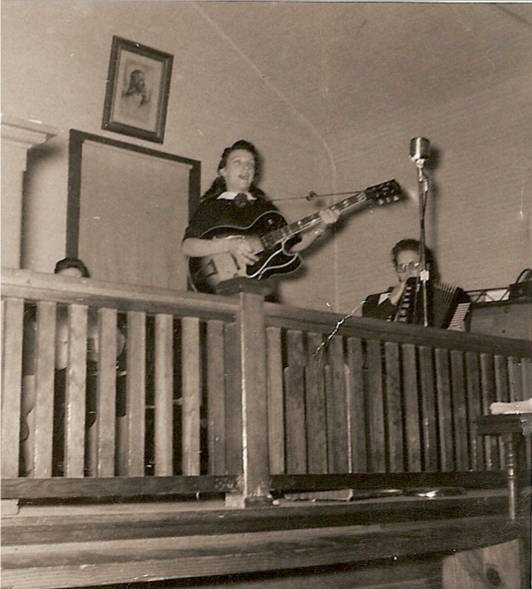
x: 384, y: 194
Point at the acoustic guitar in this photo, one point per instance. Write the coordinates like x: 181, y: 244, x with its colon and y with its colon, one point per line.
x: 273, y: 232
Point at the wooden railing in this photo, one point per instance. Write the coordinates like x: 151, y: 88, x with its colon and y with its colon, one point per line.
x: 118, y: 390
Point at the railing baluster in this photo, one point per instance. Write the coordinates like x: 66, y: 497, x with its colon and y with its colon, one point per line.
x: 395, y: 425
x: 412, y: 407
x: 445, y: 416
x: 474, y: 409
x: 135, y: 393
x: 487, y: 379
x: 526, y: 379
x: 501, y: 392
x: 356, y: 406
x: 459, y: 409
x: 276, y: 430
x: 44, y: 392
x: 296, y: 449
x: 105, y: 424
x: 163, y: 394
x: 215, y: 397
x: 75, y: 390
x: 375, y: 400
x: 515, y: 378
x: 233, y: 400
x: 428, y: 410
x: 337, y: 408
x: 191, y: 395
x: 12, y: 313
x: 315, y: 403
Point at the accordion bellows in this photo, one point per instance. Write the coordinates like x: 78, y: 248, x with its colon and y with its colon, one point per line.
x: 442, y: 304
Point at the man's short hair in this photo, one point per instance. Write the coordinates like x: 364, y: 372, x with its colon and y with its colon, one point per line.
x: 410, y: 244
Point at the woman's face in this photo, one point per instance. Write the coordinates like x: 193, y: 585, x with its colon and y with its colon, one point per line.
x: 239, y: 170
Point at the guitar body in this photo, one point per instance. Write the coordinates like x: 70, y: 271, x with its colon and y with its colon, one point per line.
x: 207, y: 272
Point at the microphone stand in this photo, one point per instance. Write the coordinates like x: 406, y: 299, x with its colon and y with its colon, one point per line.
x: 423, y: 190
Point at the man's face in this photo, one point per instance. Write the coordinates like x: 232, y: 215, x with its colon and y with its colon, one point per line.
x: 407, y: 264
x: 137, y: 81
x: 76, y: 272
x: 239, y: 170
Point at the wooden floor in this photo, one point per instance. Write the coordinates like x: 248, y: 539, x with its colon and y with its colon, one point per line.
x: 399, y: 542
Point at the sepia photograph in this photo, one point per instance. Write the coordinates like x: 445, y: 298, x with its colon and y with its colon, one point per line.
x: 266, y: 294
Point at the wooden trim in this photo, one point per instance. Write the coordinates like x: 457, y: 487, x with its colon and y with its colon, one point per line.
x: 75, y: 147
x: 386, y: 480
x: 124, y: 561
x: 99, y: 522
x: 25, y: 488
x: 75, y: 162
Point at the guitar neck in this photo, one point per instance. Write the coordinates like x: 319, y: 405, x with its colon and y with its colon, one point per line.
x: 273, y: 238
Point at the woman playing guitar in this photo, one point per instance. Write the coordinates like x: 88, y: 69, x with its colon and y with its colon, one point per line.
x: 224, y: 237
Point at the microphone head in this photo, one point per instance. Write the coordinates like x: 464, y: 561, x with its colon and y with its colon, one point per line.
x: 419, y: 148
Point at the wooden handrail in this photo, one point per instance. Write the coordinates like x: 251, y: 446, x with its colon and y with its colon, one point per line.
x: 307, y: 320
x: 95, y: 293
x: 35, y: 286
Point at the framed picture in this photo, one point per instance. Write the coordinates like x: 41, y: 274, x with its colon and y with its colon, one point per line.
x: 138, y: 85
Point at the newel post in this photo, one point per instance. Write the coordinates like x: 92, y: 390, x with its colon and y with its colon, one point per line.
x: 255, y: 481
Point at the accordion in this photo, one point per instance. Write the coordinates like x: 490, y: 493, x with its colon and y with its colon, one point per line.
x: 447, y: 305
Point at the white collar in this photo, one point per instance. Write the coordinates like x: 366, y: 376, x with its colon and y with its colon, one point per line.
x: 231, y: 194
x: 383, y: 297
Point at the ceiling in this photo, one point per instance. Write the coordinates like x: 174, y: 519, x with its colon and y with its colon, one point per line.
x: 335, y: 61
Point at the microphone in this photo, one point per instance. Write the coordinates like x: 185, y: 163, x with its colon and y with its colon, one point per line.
x: 419, y: 149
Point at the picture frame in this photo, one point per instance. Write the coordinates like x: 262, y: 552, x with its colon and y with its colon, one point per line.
x: 137, y: 90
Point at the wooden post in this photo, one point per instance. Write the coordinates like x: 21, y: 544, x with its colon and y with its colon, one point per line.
x: 482, y: 568
x: 255, y: 478
x: 512, y: 428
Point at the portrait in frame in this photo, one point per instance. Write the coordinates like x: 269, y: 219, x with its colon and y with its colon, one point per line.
x: 138, y: 86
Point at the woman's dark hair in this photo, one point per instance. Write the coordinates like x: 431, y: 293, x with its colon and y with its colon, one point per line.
x: 72, y: 263
x: 411, y: 245
x: 218, y: 186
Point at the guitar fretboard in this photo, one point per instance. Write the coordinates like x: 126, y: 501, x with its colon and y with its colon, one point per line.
x: 271, y: 239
